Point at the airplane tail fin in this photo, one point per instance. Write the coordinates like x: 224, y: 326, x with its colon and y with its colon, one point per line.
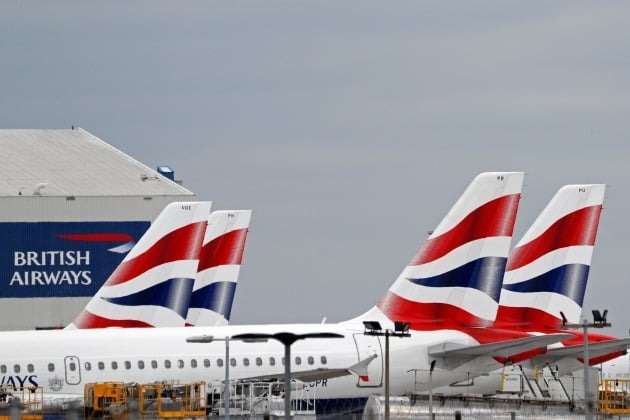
x: 548, y: 269
x: 152, y: 285
x: 455, y: 278
x: 219, y: 266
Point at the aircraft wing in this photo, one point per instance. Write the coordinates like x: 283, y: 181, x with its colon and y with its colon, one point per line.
x: 451, y: 355
x: 594, y: 349
x: 358, y: 369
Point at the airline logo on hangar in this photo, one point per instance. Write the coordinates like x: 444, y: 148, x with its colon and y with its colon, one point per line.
x: 63, y: 267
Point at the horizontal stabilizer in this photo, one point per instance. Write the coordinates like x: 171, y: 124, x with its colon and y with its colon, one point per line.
x: 451, y: 355
x: 600, y: 348
x: 359, y: 369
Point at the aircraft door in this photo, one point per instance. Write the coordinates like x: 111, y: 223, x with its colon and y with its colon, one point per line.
x: 73, y: 370
x: 367, y: 345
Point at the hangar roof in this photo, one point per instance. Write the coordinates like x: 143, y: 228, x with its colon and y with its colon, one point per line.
x: 73, y: 162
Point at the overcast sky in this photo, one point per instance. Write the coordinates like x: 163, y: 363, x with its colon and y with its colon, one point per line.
x: 349, y: 127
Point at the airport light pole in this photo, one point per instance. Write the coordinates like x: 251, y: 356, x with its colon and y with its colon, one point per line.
x: 226, y: 386
x: 401, y: 329
x: 431, y: 389
x: 599, y: 322
x: 287, y: 339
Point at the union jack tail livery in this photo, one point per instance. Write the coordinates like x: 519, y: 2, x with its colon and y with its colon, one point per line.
x: 548, y: 269
x: 152, y: 286
x: 219, y: 266
x: 455, y: 278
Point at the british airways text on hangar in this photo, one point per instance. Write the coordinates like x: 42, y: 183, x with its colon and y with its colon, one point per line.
x: 59, y: 259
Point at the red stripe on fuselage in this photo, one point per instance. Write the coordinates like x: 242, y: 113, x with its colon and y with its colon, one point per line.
x: 222, y: 250
x: 427, y: 316
x: 181, y: 244
x: 494, y: 218
x: 525, y: 319
x: 442, y: 316
x: 574, y: 229
x: 89, y: 320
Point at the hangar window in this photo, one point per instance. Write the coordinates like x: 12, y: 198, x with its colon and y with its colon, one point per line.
x: 180, y: 364
x: 140, y: 364
x: 246, y: 362
x: 311, y: 360
x: 30, y: 368
x: 206, y: 363
x: 272, y: 361
x: 51, y: 367
x: 298, y: 360
x: 3, y: 368
x: 167, y: 364
x: 127, y: 364
x: 114, y: 365
x: 101, y: 365
x: 154, y: 364
x: 324, y: 360
x: 16, y: 368
x: 220, y: 362
x: 258, y: 361
x: 88, y: 366
x: 193, y: 363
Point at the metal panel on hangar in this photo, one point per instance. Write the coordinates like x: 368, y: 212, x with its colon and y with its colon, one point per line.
x: 71, y: 205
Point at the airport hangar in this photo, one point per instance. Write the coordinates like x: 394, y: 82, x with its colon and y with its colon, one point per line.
x: 71, y: 207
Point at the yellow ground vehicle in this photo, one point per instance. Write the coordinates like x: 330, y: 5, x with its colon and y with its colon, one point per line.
x: 107, y: 399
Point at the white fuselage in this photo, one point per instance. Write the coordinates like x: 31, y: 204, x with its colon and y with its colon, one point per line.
x: 63, y: 361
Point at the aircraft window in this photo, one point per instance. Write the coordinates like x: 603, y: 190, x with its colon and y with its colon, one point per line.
x: 272, y: 361
x: 154, y: 364
x: 140, y: 364
x: 220, y: 362
x: 311, y: 360
x: 51, y: 367
x: 30, y: 368
x: 88, y: 366
x: 114, y: 365
x: 16, y: 368
x: 193, y: 363
x: 180, y: 364
x: 127, y: 364
x: 101, y: 365
x: 206, y: 362
x: 167, y: 364
x: 324, y: 360
x: 3, y: 369
x: 246, y: 362
x: 298, y: 360
x: 232, y: 362
x: 258, y: 361
x: 72, y: 366
x: 283, y: 361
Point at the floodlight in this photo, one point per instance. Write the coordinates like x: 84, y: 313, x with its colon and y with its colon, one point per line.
x: 372, y: 325
x: 402, y: 326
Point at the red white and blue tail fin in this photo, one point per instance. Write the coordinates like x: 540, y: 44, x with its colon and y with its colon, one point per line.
x: 219, y: 266
x: 152, y: 286
x: 455, y: 279
x: 548, y: 269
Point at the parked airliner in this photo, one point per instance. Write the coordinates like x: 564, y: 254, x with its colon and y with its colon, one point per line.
x: 183, y: 270
x: 448, y: 293
x: 547, y: 274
